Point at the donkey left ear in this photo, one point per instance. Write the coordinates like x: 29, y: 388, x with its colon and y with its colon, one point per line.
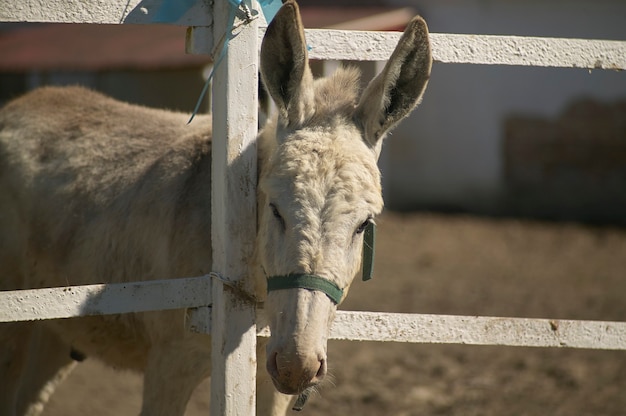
x: 285, y: 65
x: 398, y: 89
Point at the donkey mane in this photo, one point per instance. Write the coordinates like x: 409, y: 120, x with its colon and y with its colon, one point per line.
x: 335, y: 100
x: 338, y: 157
x: 336, y: 96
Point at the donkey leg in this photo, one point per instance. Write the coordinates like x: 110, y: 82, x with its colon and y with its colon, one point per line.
x: 33, y: 361
x: 173, y: 371
x: 269, y: 401
x: 14, y: 339
x: 49, y: 363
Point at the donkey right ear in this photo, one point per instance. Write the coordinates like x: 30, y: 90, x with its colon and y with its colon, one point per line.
x: 285, y: 66
x: 397, y: 90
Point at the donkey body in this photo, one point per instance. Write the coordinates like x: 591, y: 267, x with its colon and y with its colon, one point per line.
x: 93, y: 190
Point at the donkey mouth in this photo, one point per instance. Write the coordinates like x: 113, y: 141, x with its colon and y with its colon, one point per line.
x: 289, y: 390
x: 293, y: 390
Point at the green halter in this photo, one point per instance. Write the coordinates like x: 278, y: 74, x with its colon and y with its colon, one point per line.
x: 368, y: 251
x: 314, y: 282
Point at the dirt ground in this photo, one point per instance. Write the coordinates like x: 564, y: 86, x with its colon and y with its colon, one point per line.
x: 427, y: 263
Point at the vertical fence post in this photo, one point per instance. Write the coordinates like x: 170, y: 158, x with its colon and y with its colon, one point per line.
x: 235, y: 109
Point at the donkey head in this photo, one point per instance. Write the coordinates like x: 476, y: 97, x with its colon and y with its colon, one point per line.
x: 319, y: 185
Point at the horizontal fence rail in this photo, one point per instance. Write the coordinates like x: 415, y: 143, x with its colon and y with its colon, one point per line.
x: 104, y: 299
x: 71, y: 301
x: 192, y: 13
x: 479, y: 330
x: 473, y: 49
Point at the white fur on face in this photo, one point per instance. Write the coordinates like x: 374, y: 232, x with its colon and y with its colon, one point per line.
x: 319, y: 185
x: 322, y: 178
x: 323, y: 185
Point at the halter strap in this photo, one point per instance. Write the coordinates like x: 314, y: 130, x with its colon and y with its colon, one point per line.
x: 306, y: 281
x: 369, y: 238
x: 314, y: 282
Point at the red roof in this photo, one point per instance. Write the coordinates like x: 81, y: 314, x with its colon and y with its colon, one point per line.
x: 90, y: 47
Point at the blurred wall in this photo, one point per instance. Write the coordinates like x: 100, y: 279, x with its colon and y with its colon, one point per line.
x: 450, y: 153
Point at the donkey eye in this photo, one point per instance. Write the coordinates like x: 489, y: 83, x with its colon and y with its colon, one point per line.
x: 275, y: 210
x: 277, y: 215
x: 363, y: 226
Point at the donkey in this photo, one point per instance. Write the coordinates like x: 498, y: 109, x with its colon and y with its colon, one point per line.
x: 93, y: 190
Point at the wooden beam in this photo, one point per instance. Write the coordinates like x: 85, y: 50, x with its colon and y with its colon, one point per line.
x: 233, y: 217
x: 473, y: 330
x: 104, y: 299
x: 66, y: 302
x: 473, y: 49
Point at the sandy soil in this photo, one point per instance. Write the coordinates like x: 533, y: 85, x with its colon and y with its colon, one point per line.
x: 451, y: 265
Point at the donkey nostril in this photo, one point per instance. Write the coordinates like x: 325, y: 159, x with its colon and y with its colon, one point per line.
x: 321, y: 372
x: 272, y: 365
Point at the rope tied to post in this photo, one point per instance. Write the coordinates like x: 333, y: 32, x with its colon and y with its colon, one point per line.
x: 237, y: 288
x: 269, y: 9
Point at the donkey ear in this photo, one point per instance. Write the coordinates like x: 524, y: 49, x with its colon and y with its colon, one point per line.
x: 397, y: 90
x: 285, y: 65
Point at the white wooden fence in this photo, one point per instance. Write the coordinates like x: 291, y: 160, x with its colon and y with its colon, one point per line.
x: 234, y: 164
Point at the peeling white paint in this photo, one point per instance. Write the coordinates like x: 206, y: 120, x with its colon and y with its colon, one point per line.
x: 529, y: 51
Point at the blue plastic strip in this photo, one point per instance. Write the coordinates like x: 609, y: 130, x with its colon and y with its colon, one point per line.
x: 270, y: 8
x: 172, y: 10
